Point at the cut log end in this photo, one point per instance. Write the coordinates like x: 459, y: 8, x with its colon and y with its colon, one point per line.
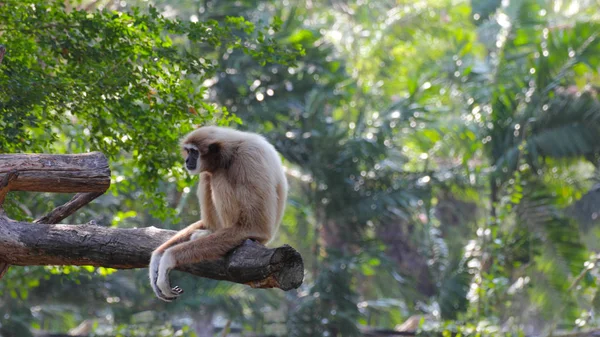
x: 284, y: 266
x: 291, y: 276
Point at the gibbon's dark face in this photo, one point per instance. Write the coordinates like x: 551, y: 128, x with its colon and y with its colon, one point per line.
x: 191, y: 161
x: 200, y: 157
x: 204, y: 150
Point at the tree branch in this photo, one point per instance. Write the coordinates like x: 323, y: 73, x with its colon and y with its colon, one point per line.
x: 87, y: 172
x: 27, y: 244
x: 54, y: 173
x: 2, y: 52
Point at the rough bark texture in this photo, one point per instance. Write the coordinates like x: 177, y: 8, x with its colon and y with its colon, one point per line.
x: 123, y: 248
x: 56, y: 173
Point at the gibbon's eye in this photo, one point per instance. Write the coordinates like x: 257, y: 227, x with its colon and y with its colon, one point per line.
x: 214, y: 147
x: 190, y: 151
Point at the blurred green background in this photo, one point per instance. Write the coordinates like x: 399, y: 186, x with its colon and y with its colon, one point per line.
x: 443, y: 159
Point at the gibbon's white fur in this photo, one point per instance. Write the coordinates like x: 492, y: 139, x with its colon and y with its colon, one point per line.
x: 242, y: 194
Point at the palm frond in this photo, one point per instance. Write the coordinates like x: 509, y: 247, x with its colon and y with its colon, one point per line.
x: 566, y: 126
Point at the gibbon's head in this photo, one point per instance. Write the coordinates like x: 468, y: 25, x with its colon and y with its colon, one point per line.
x: 207, y: 148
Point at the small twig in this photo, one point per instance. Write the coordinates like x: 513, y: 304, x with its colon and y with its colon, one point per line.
x: 3, y: 268
x: 575, y: 282
x: 61, y: 212
x: 579, y: 278
x: 91, y: 6
x: 226, y: 328
x: 2, y: 52
x: 5, y: 184
x: 583, y: 333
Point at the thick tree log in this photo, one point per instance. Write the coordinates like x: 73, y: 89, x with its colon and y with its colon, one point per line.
x: 56, y: 215
x: 122, y: 248
x: 56, y: 173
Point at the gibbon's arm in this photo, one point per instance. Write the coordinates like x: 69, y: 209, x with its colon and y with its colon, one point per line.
x: 209, y: 212
x: 210, y: 221
x: 204, y: 194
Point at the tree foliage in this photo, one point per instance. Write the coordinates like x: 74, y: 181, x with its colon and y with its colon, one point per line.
x: 442, y: 155
x: 121, y: 78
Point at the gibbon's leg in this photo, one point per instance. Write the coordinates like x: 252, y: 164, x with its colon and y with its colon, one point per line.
x: 153, y: 267
x: 209, y: 247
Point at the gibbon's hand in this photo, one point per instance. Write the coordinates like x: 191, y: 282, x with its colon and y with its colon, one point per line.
x: 157, y: 257
x: 167, y: 263
x: 153, y: 270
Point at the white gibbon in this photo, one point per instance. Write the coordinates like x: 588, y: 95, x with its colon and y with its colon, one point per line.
x: 242, y: 194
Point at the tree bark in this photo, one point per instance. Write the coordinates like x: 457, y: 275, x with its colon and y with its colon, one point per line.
x: 56, y: 173
x: 27, y: 244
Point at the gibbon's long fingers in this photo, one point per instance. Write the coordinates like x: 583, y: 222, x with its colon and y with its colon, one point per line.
x: 208, y: 247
